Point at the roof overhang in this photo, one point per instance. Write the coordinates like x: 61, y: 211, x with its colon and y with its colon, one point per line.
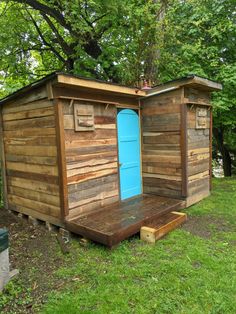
x: 73, y: 81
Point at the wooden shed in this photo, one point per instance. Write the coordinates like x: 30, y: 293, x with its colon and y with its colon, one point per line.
x: 101, y: 159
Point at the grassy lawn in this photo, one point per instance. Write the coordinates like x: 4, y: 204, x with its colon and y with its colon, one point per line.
x: 183, y: 273
x: 192, y: 270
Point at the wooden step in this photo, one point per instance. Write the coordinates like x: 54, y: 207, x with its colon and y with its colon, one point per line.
x: 157, y: 229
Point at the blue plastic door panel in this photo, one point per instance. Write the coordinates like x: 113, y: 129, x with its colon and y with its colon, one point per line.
x: 129, y: 153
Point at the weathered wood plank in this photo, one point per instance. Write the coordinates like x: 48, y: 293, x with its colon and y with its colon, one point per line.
x: 91, y: 175
x: 51, y: 161
x: 92, y: 183
x: 61, y: 155
x: 27, y: 114
x: 33, y: 176
x: 152, y: 233
x: 30, y: 132
x: 44, y: 151
x: 39, y: 186
x: 35, y: 195
x: 22, y: 101
x: 35, y: 205
x: 32, y: 141
x: 3, y: 164
x: 42, y: 122
x: 32, y: 168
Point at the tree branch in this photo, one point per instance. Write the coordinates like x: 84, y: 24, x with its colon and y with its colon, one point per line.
x: 46, y: 43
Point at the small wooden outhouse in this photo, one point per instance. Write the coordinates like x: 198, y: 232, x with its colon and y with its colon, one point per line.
x: 102, y: 159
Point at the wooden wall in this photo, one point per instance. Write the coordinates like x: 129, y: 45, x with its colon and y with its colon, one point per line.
x: 161, y: 154
x: 199, y: 159
x: 91, y: 159
x: 31, y: 156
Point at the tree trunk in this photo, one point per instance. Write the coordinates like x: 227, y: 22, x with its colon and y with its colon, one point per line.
x: 226, y: 158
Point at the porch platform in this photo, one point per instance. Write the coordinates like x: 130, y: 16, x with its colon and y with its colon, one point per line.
x: 116, y: 222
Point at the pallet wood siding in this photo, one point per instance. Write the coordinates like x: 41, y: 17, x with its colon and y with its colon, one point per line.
x: 91, y: 159
x: 199, y: 141
x: 31, y: 156
x: 161, y: 152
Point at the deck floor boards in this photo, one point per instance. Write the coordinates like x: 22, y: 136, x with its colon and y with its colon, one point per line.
x: 116, y: 222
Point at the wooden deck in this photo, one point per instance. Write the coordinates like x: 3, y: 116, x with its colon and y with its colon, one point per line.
x: 114, y: 223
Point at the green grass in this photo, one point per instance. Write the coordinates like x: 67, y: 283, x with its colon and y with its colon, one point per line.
x: 182, y: 273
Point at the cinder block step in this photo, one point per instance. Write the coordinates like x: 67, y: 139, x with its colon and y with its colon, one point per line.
x: 163, y: 225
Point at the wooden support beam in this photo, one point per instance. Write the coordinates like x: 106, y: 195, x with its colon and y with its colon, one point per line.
x: 184, y: 149
x: 210, y: 144
x: 60, y: 135
x: 3, y: 164
x: 152, y: 234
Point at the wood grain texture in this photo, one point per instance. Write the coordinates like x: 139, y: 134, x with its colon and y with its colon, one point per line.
x: 91, y: 159
x: 3, y: 164
x: 161, y: 154
x: 199, y: 151
x: 31, y: 155
x: 61, y: 154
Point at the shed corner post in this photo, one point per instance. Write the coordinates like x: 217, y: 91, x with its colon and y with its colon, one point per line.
x: 3, y: 164
x: 61, y: 157
x: 184, y: 144
x: 210, y: 144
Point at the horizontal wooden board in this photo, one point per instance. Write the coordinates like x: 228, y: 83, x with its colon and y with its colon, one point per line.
x: 162, y: 183
x: 157, y: 169
x: 167, y: 122
x: 198, y: 176
x: 33, y: 168
x: 33, y: 176
x: 87, y: 157
x: 44, y: 151
x: 161, y: 138
x: 83, y: 210
x: 52, y: 161
x: 39, y: 186
x: 163, y: 191
x: 90, y: 150
x: 36, y: 214
x: 88, y: 169
x: 35, y: 195
x: 85, y: 198
x: 30, y: 132
x: 84, y: 143
x: 35, y: 205
x: 152, y: 157
x: 196, y: 96
x: 32, y: 141
x: 198, y: 166
x: 27, y: 114
x: 91, y: 162
x: 91, y: 175
x: 92, y: 183
x: 99, y: 134
x: 32, y: 99
x: 42, y: 122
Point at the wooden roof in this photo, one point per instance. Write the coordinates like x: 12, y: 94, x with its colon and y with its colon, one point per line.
x: 69, y: 80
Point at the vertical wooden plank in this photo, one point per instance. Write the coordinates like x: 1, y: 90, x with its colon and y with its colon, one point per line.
x: 3, y: 163
x: 210, y: 143
x: 118, y: 161
x: 184, y: 146
x: 141, y: 144
x: 60, y: 135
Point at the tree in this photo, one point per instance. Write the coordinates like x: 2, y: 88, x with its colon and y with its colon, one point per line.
x: 92, y: 38
x: 200, y: 38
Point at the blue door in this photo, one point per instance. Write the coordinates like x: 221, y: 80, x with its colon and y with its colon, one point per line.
x: 129, y: 153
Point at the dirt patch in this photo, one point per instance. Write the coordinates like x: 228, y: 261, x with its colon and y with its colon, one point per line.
x: 34, y: 251
x: 206, y: 226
